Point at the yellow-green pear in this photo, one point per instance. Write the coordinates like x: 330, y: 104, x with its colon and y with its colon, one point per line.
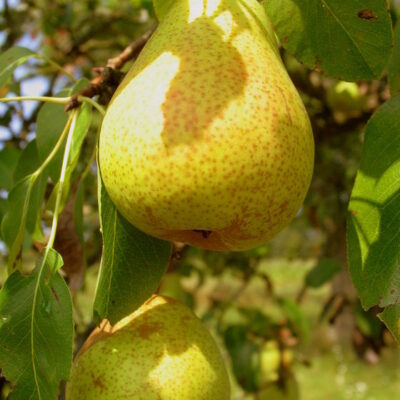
x: 160, y: 352
x: 206, y: 141
x: 270, y: 362
x: 346, y: 97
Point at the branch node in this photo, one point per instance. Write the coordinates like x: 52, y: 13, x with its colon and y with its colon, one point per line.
x: 109, y: 77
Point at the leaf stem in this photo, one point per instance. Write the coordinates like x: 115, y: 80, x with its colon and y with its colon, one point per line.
x: 91, y: 159
x: 55, y: 148
x: 74, y: 116
x: 33, y: 177
x: 56, y: 100
x: 71, y: 124
x: 57, y: 66
x: 93, y: 103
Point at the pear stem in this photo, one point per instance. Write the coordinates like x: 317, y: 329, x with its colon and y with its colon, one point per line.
x: 55, y: 100
x: 110, y: 76
x: 96, y: 105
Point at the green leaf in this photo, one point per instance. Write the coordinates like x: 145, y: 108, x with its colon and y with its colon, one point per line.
x: 373, y: 224
x: 3, y: 210
x: 132, y: 264
x: 245, y: 356
x: 36, y: 331
x: 28, y: 162
x: 23, y: 210
x: 81, y: 128
x: 391, y: 318
x: 350, y: 40
x: 296, y: 317
x: 394, y: 64
x: 11, y: 59
x: 322, y: 273
x: 368, y: 323
x: 78, y: 212
x: 161, y: 7
x: 8, y: 162
x: 83, y: 82
x: 50, y: 124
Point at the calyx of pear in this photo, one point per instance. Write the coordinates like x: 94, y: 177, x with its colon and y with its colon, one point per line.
x: 207, y: 141
x: 161, y: 351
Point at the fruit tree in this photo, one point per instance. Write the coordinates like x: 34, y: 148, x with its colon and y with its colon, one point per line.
x: 157, y: 157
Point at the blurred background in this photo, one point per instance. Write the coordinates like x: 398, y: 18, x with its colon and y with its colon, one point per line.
x: 285, y: 315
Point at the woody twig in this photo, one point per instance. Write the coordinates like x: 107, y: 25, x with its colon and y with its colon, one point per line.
x: 109, y: 77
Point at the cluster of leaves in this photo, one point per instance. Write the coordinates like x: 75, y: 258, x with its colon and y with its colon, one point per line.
x: 261, y: 323
x: 40, y: 301
x: 342, y: 39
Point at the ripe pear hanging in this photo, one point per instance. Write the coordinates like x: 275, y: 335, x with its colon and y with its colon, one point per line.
x: 207, y: 141
x: 161, y: 351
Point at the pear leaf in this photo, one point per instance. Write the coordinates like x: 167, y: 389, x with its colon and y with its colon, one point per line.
x: 82, y: 126
x: 36, y: 330
x: 28, y: 161
x: 391, y: 318
x: 78, y: 212
x: 81, y: 129
x: 3, y: 210
x: 394, y: 64
x: 299, y: 322
x: 11, y: 59
x: 162, y: 7
x: 50, y: 124
x: 345, y: 39
x: 24, y: 204
x: 131, y: 267
x: 23, y: 210
x: 373, y: 223
x: 245, y: 356
x: 8, y: 161
x: 322, y: 273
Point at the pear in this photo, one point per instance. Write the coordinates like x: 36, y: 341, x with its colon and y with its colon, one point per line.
x: 160, y: 352
x: 270, y: 362
x: 346, y: 96
x: 206, y: 141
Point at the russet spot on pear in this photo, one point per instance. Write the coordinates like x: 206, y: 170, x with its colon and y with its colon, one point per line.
x: 160, y: 352
x: 207, y: 141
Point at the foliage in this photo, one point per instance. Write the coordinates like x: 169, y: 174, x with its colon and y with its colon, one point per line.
x: 132, y: 264
x: 372, y: 224
x: 48, y: 178
x: 41, y: 354
x: 360, y: 36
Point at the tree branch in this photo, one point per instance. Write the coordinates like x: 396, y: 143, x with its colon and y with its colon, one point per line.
x: 109, y: 77
x: 130, y: 52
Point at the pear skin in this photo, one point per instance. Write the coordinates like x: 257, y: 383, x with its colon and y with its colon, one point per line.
x: 207, y: 141
x: 160, y: 352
